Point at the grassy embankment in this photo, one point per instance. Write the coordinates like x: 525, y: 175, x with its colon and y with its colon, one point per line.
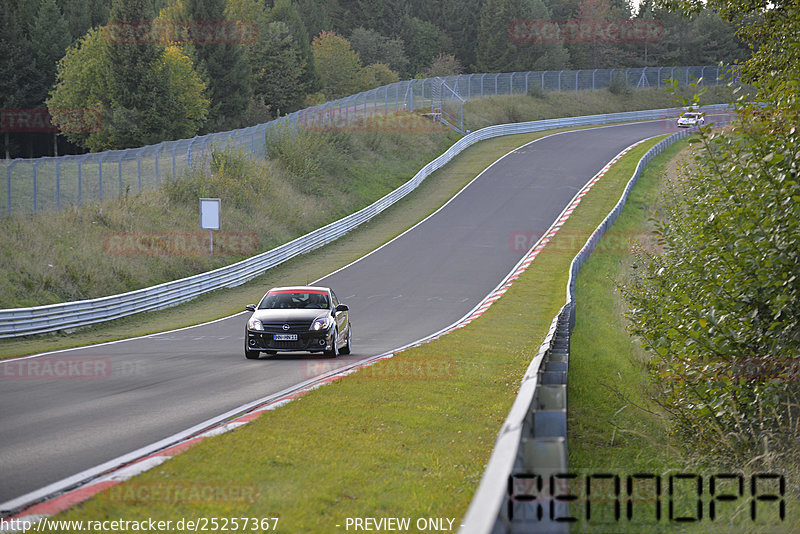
x: 538, y: 106
x: 615, y: 424
x: 408, y: 437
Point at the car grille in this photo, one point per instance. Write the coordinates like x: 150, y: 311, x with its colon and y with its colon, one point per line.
x: 294, y: 326
x: 265, y: 342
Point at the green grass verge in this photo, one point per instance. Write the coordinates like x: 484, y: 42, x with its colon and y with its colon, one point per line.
x: 615, y: 426
x: 408, y: 437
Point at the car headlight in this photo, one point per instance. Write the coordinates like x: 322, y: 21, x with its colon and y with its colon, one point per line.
x: 322, y: 323
x: 254, y: 324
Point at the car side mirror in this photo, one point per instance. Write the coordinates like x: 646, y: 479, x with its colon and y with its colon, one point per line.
x: 342, y: 307
x: 250, y: 307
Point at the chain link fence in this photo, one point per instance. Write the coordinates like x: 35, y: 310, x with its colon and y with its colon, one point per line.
x: 54, y: 183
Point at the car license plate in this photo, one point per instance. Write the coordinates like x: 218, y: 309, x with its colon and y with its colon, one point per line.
x: 285, y: 337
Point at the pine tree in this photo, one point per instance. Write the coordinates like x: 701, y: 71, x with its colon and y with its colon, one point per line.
x: 286, y: 11
x: 496, y: 52
x: 223, y: 67
x: 277, y: 70
x: 50, y: 37
x: 140, y: 101
x: 540, y: 56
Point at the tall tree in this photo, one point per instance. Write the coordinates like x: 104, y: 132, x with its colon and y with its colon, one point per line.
x: 496, y: 52
x: 50, y: 37
x: 287, y: 12
x: 339, y: 66
x: 85, y: 81
x: 222, y: 65
x: 140, y: 101
x: 372, y: 47
x: 539, y: 56
x: 84, y: 14
x: 277, y: 70
x: 423, y: 40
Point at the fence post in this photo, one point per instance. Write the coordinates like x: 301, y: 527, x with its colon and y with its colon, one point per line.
x: 35, y: 180
x: 576, y: 80
x: 139, y: 169
x: 100, y: 177
x: 703, y: 75
x: 593, y: 73
x: 80, y: 180
x: 8, y: 182
x: 527, y: 74
x: 189, y: 153
x: 58, y: 185
x: 559, y: 80
x: 543, y: 73
x: 120, y: 171
x: 658, y: 84
x: 511, y: 84
x: 496, y: 76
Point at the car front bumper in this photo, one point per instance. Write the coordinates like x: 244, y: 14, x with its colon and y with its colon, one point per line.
x: 310, y: 341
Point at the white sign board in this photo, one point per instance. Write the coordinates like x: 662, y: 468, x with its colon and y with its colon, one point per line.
x: 209, y: 213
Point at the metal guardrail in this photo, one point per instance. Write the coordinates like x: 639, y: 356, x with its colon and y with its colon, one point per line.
x: 17, y: 322
x: 52, y: 183
x: 532, y: 440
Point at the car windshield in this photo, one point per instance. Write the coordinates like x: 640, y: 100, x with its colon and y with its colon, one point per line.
x: 691, y: 115
x: 288, y: 300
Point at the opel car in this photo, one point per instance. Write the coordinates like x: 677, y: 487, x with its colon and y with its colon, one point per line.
x: 302, y: 318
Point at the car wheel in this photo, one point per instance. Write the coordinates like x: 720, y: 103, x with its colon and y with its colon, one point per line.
x: 334, y: 349
x: 346, y: 348
x: 251, y: 354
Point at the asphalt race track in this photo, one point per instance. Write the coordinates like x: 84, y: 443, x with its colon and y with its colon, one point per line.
x: 414, y: 286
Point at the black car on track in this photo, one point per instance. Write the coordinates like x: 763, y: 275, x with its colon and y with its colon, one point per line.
x: 302, y: 318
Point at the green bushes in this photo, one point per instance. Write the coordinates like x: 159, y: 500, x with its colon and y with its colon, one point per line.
x: 619, y: 84
x: 230, y: 175
x: 720, y: 308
